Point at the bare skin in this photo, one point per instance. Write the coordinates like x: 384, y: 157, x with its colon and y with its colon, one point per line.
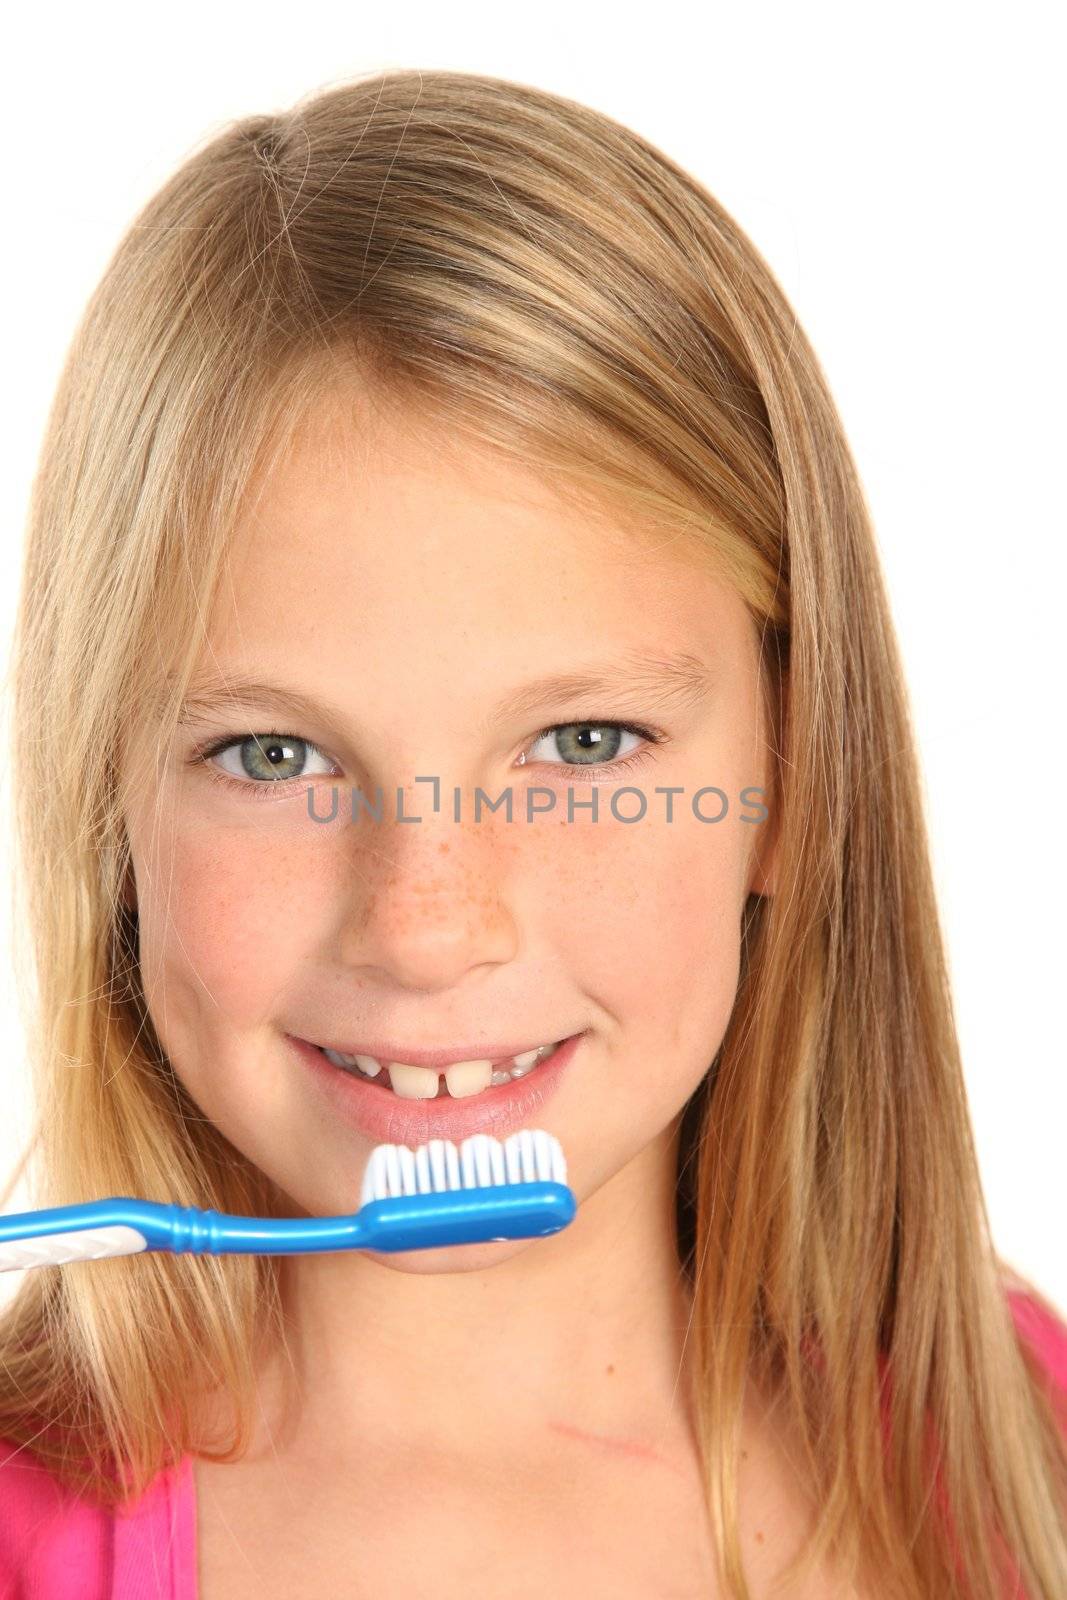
x: 436, y: 1399
x: 564, y: 1512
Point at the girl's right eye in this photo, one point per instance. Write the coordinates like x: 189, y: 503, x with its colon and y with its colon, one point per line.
x: 262, y: 760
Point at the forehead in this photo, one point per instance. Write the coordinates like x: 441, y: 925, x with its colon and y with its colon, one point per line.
x: 366, y: 493
x: 383, y: 545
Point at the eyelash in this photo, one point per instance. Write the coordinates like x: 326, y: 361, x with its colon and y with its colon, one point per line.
x: 263, y: 790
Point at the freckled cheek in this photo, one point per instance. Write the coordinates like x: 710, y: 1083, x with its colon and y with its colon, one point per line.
x: 652, y: 903
x: 222, y: 930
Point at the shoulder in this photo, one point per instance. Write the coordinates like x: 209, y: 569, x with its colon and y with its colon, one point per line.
x: 1043, y: 1330
x: 51, y: 1542
x: 58, y: 1543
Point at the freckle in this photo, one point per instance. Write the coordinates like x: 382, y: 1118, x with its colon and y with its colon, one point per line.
x: 611, y: 1369
x: 759, y: 1537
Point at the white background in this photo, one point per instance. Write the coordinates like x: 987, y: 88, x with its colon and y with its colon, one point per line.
x: 900, y: 168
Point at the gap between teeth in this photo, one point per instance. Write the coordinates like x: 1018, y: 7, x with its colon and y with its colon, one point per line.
x: 461, y: 1080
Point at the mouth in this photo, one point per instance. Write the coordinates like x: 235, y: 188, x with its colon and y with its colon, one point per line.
x: 460, y: 1081
x: 489, y: 1099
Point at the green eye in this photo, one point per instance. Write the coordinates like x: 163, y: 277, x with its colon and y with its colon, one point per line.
x: 265, y: 758
x: 593, y: 744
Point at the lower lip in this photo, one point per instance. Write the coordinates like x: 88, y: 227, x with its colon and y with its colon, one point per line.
x: 387, y: 1119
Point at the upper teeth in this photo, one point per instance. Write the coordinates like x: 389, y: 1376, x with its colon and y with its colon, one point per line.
x: 462, y: 1078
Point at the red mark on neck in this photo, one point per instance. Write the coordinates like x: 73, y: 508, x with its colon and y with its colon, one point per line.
x: 628, y: 1448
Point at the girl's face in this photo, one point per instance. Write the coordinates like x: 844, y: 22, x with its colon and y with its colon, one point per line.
x: 411, y: 587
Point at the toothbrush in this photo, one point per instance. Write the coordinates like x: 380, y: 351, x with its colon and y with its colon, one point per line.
x: 437, y: 1195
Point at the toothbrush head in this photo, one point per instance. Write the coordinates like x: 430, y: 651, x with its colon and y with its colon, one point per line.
x: 529, y: 1156
x: 484, y: 1191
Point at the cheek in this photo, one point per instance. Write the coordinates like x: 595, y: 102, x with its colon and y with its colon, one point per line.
x: 647, y: 916
x: 219, y: 928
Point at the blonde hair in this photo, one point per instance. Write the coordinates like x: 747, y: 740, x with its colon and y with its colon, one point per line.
x: 553, y: 287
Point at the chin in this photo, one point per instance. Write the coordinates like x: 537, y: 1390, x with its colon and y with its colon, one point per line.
x: 452, y: 1259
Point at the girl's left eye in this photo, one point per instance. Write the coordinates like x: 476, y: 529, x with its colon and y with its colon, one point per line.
x: 604, y: 747
x: 264, y: 757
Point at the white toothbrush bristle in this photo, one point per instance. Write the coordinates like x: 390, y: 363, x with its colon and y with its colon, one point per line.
x: 423, y: 1179
x: 529, y: 1156
x: 406, y: 1159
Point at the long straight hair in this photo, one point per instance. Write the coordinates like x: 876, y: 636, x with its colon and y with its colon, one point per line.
x: 552, y: 287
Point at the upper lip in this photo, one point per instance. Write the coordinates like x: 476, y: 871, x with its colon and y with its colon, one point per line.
x: 385, y: 1053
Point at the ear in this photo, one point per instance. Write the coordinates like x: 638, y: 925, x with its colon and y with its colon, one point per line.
x: 763, y: 878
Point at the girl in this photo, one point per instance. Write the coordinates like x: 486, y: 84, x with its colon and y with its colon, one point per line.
x: 441, y: 435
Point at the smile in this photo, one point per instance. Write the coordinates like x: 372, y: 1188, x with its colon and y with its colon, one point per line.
x: 458, y: 1082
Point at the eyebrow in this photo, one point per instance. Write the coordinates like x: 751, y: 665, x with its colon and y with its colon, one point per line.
x: 664, y: 682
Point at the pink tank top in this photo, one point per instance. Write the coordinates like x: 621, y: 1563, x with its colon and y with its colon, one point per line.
x: 54, y: 1546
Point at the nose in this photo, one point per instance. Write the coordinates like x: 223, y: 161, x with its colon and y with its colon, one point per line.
x: 427, y: 902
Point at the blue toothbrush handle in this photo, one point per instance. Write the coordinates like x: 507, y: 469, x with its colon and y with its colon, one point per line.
x: 122, y: 1226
